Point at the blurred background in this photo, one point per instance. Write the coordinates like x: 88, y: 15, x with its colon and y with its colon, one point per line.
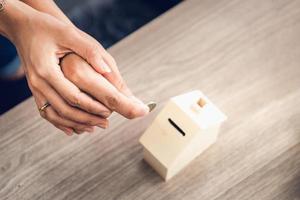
x: 106, y: 20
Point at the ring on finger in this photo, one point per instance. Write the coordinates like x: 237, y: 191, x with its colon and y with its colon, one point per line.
x: 41, y: 109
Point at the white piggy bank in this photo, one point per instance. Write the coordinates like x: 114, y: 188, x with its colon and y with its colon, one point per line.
x: 185, y: 127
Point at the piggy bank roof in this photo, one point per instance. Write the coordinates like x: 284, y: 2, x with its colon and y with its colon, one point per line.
x: 202, y: 112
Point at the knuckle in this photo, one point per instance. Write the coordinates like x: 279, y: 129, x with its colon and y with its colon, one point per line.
x: 69, y: 30
x: 111, y: 59
x: 89, y: 108
x: 60, y: 112
x: 105, y: 114
x: 43, y: 72
x: 43, y: 114
x: 70, y: 64
x: 63, y: 112
x: 93, y: 51
x: 73, y: 74
x: 34, y: 82
x: 113, y: 101
x: 132, y: 113
x: 91, y: 122
x: 120, y: 84
x: 74, y: 99
x: 50, y: 117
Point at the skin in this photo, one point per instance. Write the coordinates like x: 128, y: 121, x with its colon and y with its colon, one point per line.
x: 79, y: 72
x: 43, y: 35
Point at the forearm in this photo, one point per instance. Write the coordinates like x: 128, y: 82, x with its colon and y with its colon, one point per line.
x: 48, y: 6
x: 12, y: 18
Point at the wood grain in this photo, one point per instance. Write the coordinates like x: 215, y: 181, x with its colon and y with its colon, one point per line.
x: 244, y: 55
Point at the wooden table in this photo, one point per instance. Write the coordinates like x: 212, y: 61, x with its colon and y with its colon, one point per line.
x: 244, y: 55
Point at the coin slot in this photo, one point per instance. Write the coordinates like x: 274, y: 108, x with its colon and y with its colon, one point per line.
x: 176, y: 127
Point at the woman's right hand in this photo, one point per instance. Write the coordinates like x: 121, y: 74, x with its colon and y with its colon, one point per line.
x: 41, y: 40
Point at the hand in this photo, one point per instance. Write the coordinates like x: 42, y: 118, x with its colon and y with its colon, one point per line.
x: 41, y: 40
x: 40, y: 44
x: 114, y: 77
x: 116, y: 97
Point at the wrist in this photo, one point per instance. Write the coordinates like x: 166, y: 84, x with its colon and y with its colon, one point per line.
x: 49, y: 7
x: 13, y: 17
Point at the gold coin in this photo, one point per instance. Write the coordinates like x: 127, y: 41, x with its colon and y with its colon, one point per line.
x: 151, y: 105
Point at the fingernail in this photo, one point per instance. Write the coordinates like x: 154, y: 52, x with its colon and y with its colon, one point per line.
x: 144, y: 107
x: 69, y: 132
x: 103, y: 125
x: 104, y: 66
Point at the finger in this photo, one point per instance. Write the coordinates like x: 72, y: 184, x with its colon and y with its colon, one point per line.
x: 115, y: 76
x: 109, y: 95
x: 89, y: 49
x: 74, y: 114
x: 40, y: 101
x: 74, y: 96
x: 54, y: 118
x: 95, y: 52
x: 51, y: 115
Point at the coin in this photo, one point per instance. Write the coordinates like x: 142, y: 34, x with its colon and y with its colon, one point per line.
x: 151, y: 105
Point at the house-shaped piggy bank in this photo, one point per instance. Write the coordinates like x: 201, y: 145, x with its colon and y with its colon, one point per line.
x: 185, y: 127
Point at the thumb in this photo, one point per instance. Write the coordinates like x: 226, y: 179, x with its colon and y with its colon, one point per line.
x: 90, y: 50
